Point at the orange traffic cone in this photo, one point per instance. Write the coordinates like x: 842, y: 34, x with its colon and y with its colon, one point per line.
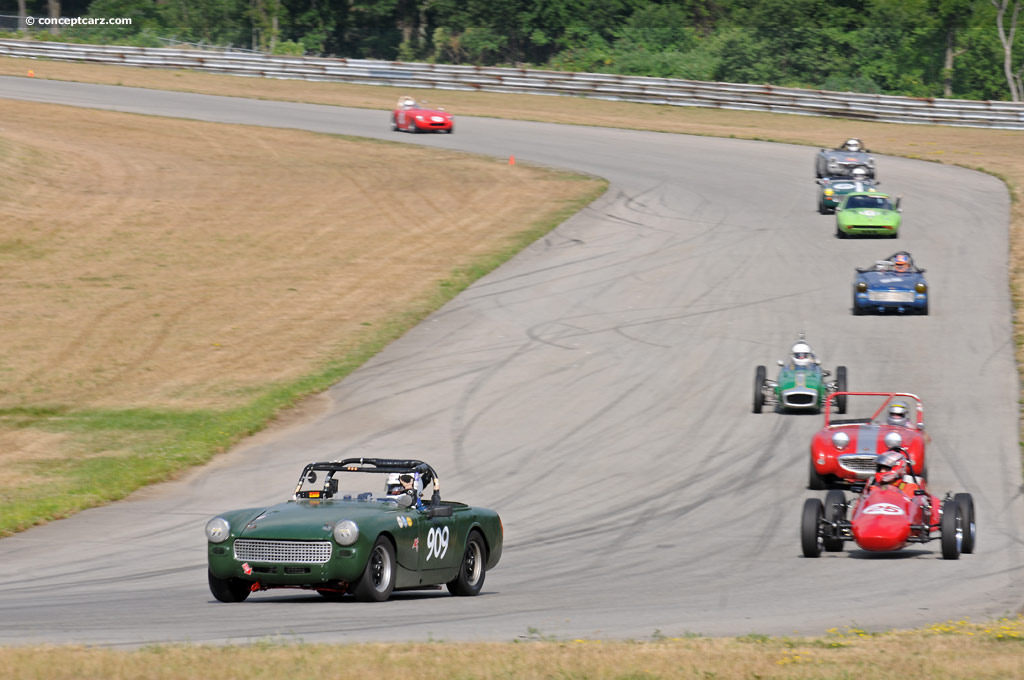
x: 511, y: 160
x: 31, y: 73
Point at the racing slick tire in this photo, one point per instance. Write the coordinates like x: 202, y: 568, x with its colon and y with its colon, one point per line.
x: 841, y: 387
x: 473, y: 568
x: 822, y: 210
x: 378, y: 579
x: 815, y: 482
x: 857, y: 310
x: 924, y: 310
x: 411, y: 127
x: 970, y: 530
x: 759, y: 377
x: 810, y: 522
x: 835, y: 512
x: 840, y: 233
x: 228, y: 589
x: 451, y: 129
x: 952, y: 530
x: 394, y: 124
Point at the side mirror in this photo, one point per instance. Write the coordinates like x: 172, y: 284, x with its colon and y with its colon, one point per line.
x: 780, y: 362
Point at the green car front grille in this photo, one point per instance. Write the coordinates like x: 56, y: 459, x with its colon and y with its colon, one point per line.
x: 295, y: 552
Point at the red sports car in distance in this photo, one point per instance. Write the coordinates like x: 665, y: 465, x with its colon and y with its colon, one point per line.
x: 413, y: 116
x: 843, y: 453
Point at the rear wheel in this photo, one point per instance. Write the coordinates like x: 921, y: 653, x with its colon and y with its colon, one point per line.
x: 473, y: 568
x: 759, y: 378
x: 228, y: 589
x: 841, y: 387
x: 952, y: 530
x: 966, y: 503
x: 835, y: 514
x: 810, y: 540
x: 378, y: 579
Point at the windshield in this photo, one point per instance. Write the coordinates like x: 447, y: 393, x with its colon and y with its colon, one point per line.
x: 876, y: 410
x: 363, y: 485
x: 875, y: 202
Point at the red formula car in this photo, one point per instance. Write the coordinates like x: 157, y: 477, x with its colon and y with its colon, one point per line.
x: 415, y: 117
x: 843, y: 452
x: 889, y: 515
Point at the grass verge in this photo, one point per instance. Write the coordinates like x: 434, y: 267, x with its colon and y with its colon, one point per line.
x: 955, y: 650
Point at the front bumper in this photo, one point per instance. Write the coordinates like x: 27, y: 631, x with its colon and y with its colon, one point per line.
x: 800, y: 399
x: 344, y: 564
x: 879, y: 302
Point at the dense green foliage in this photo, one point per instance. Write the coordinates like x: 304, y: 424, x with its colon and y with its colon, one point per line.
x: 915, y: 47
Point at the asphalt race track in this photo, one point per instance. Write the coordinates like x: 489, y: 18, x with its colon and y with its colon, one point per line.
x: 596, y: 391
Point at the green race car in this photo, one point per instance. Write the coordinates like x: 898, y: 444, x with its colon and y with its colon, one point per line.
x: 832, y: 190
x: 868, y: 214
x: 337, y: 537
x: 801, y: 385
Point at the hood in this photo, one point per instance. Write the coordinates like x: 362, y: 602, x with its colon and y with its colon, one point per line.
x: 808, y: 378
x: 311, y: 520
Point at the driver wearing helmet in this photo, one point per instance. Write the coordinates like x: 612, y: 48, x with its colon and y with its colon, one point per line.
x: 893, y: 469
x: 406, y: 103
x: 853, y: 144
x: 399, y: 484
x: 898, y: 415
x: 901, y: 263
x: 802, y: 355
x: 859, y: 174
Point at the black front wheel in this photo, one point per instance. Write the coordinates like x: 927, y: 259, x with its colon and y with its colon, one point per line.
x: 759, y: 378
x: 810, y: 522
x: 970, y: 531
x: 473, y: 568
x: 378, y: 579
x: 228, y: 589
x: 815, y: 481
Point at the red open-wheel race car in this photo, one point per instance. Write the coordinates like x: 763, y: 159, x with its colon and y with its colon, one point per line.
x: 889, y: 514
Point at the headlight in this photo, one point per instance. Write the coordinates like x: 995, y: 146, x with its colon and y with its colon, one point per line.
x: 862, y: 287
x: 829, y: 192
x: 840, y: 440
x: 346, y: 532
x: 921, y: 287
x: 217, y: 530
x: 419, y: 117
x: 833, y: 166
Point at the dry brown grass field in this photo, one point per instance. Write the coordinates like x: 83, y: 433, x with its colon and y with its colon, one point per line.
x: 166, y: 269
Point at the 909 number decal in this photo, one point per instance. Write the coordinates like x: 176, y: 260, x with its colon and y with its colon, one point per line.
x: 437, y: 542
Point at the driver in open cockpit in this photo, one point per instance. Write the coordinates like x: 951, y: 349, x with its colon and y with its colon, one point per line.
x: 399, y: 484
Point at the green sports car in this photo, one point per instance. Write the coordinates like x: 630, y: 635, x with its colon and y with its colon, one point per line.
x: 337, y: 536
x: 868, y: 214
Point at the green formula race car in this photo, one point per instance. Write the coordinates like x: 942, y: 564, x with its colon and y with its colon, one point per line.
x: 802, y: 385
x: 357, y: 526
x: 868, y: 214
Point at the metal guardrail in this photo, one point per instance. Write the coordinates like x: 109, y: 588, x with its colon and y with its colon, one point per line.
x: 665, y: 91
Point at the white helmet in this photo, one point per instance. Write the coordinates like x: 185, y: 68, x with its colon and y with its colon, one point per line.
x: 897, y: 414
x: 802, y: 354
x: 852, y: 144
x: 394, y: 485
x: 859, y: 173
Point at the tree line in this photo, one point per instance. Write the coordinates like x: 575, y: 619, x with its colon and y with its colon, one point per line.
x: 970, y: 49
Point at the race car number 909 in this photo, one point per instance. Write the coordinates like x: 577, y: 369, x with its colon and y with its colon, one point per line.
x: 437, y: 543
